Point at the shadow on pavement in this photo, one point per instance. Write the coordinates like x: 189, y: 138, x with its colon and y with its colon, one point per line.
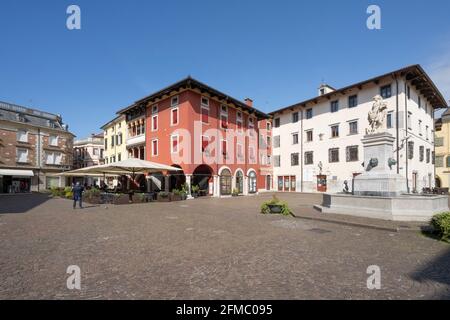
x: 438, y: 270
x: 21, y: 203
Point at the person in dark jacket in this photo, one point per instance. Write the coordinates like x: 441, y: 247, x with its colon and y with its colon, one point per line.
x: 78, y: 195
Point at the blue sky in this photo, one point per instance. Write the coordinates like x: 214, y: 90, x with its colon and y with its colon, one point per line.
x: 276, y: 52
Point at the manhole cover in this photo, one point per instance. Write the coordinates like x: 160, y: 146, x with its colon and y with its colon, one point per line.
x: 317, y: 230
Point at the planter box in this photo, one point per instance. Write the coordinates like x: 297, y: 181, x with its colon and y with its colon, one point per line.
x: 163, y: 199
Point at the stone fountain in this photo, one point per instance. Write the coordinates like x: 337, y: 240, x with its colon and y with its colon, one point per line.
x: 380, y: 192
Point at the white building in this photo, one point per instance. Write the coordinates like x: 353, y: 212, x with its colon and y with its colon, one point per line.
x: 88, y: 152
x: 317, y: 142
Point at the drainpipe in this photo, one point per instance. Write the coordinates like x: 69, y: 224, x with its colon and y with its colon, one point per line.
x: 397, y: 126
x: 301, y: 150
x: 39, y: 159
x: 406, y: 140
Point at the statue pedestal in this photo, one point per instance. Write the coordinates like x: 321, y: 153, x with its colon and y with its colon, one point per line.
x: 379, y: 179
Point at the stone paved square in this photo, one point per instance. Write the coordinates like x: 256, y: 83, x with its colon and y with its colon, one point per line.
x: 207, y: 248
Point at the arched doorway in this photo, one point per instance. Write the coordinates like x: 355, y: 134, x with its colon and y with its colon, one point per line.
x: 201, y: 177
x: 177, y: 178
x: 438, y: 182
x: 225, y: 182
x: 239, y: 181
x: 252, y: 182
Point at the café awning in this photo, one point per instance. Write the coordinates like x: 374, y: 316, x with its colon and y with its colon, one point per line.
x: 16, y: 173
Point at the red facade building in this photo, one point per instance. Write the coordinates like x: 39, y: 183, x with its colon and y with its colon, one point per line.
x: 220, y: 143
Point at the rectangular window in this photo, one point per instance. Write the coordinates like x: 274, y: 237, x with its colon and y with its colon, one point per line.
x: 22, y: 155
x: 22, y: 136
x: 295, y: 117
x: 408, y: 120
x: 205, y: 102
x: 106, y: 143
x: 276, y: 141
x: 335, y: 131
x: 251, y: 153
x: 352, y: 101
x: 224, y: 148
x: 420, y: 127
x: 426, y: 133
x: 309, y: 136
x: 174, y: 101
x: 277, y: 123
x: 419, y: 102
x: 174, y: 143
x: 352, y: 154
x: 309, y: 159
x: 119, y: 157
x: 154, y: 147
x: 154, y: 110
x: 389, y: 123
x: 439, y: 161
x: 410, y: 150
x: 174, y: 117
x: 334, y: 106
x: 309, y: 113
x: 239, y: 121
x: 439, y: 142
x: 294, y: 159
x: 333, y: 155
x: 155, y: 123
x: 295, y: 138
x: 251, y: 125
x: 386, y: 91
x: 205, y: 115
x: 353, y: 127
x: 224, y: 122
x: 112, y: 141
x: 421, y: 153
x: 240, y: 151
x: 276, y: 161
x: 205, y: 143
x: 268, y: 126
x: 428, y: 155
x: 53, y: 141
x: 408, y: 92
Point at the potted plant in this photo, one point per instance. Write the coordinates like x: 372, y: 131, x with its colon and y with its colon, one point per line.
x: 176, y: 195
x: 235, y: 193
x: 163, y: 196
x: 194, y: 190
x: 275, y: 206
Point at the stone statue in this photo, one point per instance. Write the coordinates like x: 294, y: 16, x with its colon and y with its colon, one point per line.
x: 377, y: 116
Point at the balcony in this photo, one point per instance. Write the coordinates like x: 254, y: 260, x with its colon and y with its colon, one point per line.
x: 132, y: 141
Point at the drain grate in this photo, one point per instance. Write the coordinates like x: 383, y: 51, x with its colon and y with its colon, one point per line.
x: 318, y: 230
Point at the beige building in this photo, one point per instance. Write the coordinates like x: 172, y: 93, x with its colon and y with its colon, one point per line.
x: 442, y: 150
x: 34, y: 145
x: 115, y: 135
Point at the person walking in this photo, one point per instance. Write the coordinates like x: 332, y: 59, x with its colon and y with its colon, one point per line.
x: 78, y: 195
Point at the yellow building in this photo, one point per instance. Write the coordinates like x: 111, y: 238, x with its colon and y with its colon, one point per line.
x: 115, y: 134
x: 442, y: 150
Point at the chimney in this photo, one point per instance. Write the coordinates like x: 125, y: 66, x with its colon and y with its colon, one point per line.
x: 249, y: 102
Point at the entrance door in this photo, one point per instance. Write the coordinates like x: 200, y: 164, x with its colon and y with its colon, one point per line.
x: 252, y: 182
x: 280, y: 183
x: 414, y: 182
x: 293, y: 184
x: 322, y: 183
x: 239, y: 182
x: 268, y: 182
x: 225, y: 182
x: 286, y: 184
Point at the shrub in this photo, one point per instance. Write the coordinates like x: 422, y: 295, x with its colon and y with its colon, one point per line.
x: 164, y: 194
x: 69, y: 194
x: 195, y: 189
x: 265, y: 207
x: 235, y: 192
x: 57, y: 192
x: 92, y: 193
x: 441, y: 225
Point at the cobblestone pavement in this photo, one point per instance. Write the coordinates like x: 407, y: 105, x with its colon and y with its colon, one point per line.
x: 207, y: 249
